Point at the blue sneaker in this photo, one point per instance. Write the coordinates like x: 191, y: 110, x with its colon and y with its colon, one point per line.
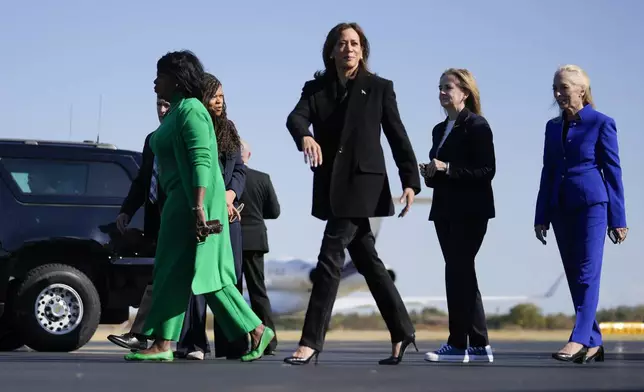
x: 447, y: 353
x: 481, y: 354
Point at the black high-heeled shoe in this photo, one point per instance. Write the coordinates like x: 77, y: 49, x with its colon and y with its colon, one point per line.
x: 302, y: 361
x: 577, y: 357
x: 403, y: 347
x: 598, y: 356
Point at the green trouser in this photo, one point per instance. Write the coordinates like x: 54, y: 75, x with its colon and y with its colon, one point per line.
x: 168, y: 310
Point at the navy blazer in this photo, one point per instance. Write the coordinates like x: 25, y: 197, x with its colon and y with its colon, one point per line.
x: 234, y: 172
x: 466, y: 192
x: 585, y: 168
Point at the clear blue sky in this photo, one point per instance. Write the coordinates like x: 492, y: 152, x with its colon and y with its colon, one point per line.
x: 57, y: 54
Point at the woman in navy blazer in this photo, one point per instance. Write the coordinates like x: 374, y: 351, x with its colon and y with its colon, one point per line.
x: 582, y: 195
x: 462, y: 167
x: 194, y: 342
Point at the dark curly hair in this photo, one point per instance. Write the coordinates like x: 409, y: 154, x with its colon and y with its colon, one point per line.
x: 228, y: 141
x: 187, y: 69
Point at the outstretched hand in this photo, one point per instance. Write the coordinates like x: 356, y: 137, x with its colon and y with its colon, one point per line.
x: 407, y: 198
x: 312, y: 151
x: 541, y: 231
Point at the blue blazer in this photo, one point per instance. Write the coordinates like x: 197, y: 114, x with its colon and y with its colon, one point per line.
x: 585, y: 168
x: 234, y: 172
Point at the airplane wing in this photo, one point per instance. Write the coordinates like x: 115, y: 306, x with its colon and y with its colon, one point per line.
x: 367, y: 302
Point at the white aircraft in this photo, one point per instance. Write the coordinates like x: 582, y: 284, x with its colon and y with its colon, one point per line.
x: 344, y: 305
x: 288, y: 284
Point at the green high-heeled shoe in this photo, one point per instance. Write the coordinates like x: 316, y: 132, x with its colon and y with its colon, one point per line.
x: 258, y: 352
x: 165, y: 356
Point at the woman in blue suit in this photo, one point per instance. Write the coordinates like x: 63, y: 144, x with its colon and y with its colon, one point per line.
x: 193, y: 343
x: 582, y: 195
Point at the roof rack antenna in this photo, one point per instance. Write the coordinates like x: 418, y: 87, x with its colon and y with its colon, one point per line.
x: 100, y: 111
x: 71, y: 115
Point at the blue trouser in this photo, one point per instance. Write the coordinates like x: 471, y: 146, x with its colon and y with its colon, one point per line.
x: 580, y: 237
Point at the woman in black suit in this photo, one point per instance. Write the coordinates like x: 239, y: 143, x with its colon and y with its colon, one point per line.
x: 461, y: 171
x: 194, y: 341
x: 346, y: 104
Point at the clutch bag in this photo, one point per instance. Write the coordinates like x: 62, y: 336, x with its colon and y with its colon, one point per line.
x: 212, y: 227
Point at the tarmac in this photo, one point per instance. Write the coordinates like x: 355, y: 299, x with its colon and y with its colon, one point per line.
x: 343, y: 366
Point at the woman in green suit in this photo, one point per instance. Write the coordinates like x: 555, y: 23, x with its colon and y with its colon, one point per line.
x: 187, y: 159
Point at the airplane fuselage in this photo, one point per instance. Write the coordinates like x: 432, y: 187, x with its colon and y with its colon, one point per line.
x: 289, y: 284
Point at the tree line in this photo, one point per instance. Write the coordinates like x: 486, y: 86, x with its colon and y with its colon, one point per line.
x: 521, y: 316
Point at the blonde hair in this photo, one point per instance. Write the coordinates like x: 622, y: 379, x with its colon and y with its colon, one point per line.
x: 581, y: 80
x: 467, y: 83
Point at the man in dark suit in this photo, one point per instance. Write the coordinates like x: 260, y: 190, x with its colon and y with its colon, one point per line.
x: 145, y: 192
x: 347, y: 105
x: 260, y: 202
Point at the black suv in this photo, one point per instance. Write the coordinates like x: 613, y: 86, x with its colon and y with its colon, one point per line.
x: 64, y: 266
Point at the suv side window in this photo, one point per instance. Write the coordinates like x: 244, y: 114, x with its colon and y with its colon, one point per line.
x: 48, y: 177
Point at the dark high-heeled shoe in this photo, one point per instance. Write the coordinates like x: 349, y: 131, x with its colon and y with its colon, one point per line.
x: 403, y: 347
x: 302, y: 361
x: 598, y: 356
x: 577, y: 357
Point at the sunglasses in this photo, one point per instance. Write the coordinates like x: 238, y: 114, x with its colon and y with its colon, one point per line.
x: 612, y: 234
x: 239, y: 209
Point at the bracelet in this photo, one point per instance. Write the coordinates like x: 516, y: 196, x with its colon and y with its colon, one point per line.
x: 198, y: 208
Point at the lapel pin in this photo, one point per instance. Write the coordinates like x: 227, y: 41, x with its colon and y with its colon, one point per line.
x: 363, y: 92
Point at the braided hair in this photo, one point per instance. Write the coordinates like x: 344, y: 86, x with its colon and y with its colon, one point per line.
x: 228, y: 141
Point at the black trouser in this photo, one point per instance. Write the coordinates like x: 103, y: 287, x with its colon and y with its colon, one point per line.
x: 253, y: 271
x: 354, y: 235
x: 460, y: 241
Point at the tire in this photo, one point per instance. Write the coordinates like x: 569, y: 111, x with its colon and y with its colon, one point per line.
x: 64, y: 300
x: 10, y: 338
x: 10, y: 341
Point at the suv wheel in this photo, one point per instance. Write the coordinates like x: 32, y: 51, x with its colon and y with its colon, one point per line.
x: 59, y: 308
x: 10, y: 341
x: 10, y: 338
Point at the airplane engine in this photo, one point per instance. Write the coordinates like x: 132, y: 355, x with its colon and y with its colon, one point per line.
x: 392, y: 274
x: 312, y: 275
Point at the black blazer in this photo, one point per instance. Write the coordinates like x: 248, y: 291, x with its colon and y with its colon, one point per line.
x: 260, y: 202
x: 139, y: 195
x: 354, y: 184
x: 466, y: 192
